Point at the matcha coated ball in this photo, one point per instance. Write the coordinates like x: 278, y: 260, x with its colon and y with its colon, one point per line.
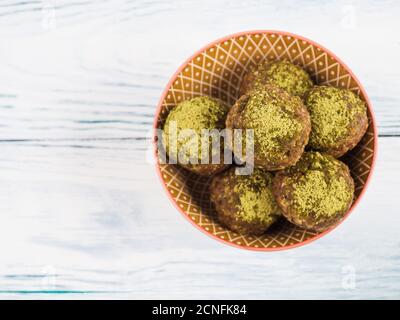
x: 338, y: 119
x: 315, y: 193
x: 283, y: 74
x: 244, y: 203
x: 280, y: 123
x: 183, y: 134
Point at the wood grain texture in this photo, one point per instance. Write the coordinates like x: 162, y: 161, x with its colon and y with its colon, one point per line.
x: 82, y: 213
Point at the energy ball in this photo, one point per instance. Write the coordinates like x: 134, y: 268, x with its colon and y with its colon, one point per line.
x: 183, y: 134
x: 280, y: 123
x: 338, y: 119
x: 244, y: 203
x: 283, y: 74
x: 315, y: 193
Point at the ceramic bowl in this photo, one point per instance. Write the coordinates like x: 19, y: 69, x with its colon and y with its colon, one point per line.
x: 217, y: 70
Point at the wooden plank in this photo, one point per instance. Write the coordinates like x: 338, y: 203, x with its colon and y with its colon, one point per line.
x: 100, y: 71
x: 98, y: 219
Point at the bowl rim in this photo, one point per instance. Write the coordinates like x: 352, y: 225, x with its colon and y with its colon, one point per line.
x: 281, y: 33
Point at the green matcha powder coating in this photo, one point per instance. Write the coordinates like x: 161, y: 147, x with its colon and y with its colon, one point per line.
x: 269, y: 111
x: 285, y: 75
x: 332, y: 111
x: 257, y: 202
x: 196, y: 114
x: 321, y: 188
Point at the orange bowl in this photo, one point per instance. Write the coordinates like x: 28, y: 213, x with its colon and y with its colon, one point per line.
x: 217, y: 70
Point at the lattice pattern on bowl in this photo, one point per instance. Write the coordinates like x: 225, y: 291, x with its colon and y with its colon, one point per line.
x: 217, y: 71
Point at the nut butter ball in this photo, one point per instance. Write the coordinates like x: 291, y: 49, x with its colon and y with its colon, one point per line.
x: 283, y: 74
x: 338, y: 119
x: 244, y: 203
x: 183, y: 132
x: 315, y: 193
x: 280, y: 123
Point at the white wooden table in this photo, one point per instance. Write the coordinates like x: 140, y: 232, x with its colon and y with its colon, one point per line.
x: 82, y: 213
